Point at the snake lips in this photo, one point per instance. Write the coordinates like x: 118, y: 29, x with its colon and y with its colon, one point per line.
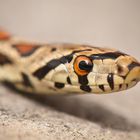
x: 65, y: 68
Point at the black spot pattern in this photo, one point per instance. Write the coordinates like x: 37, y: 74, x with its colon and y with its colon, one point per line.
x: 132, y: 65
x: 59, y: 85
x: 120, y: 86
x: 68, y: 80
x: 41, y: 72
x: 102, y: 87
x: 84, y: 83
x: 110, y: 80
x: 83, y: 80
x: 26, y: 80
x: 4, y: 59
x: 111, y: 55
x: 53, y: 49
x: 85, y: 88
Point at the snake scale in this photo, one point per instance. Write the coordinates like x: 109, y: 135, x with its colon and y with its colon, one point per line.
x: 65, y: 68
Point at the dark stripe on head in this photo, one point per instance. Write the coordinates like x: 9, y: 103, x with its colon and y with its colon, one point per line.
x: 68, y: 80
x: 83, y: 80
x: 26, y: 80
x: 132, y: 65
x: 77, y: 51
x: 123, y: 77
x: 112, y: 55
x: 59, y: 85
x: 102, y: 87
x: 53, y: 49
x: 85, y: 88
x: 41, y: 72
x: 110, y: 80
x: 70, y: 56
x: 127, y: 85
x: 120, y: 86
x: 5, y: 60
x: 25, y: 49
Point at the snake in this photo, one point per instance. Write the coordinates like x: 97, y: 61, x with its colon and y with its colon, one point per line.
x: 65, y: 68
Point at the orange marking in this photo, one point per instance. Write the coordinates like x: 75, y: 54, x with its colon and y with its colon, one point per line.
x: 25, y: 48
x: 4, y: 35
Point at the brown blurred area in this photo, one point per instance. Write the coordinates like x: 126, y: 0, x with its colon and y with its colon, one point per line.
x: 109, y: 23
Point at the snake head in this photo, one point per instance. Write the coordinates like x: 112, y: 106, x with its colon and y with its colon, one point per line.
x: 104, y: 71
x: 86, y: 69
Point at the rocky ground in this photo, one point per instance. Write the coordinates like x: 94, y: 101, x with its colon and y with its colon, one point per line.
x: 85, y: 117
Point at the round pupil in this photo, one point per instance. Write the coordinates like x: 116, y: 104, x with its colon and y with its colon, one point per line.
x: 85, y: 65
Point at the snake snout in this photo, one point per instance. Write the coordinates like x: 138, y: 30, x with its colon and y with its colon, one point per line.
x: 128, y: 68
x: 133, y: 72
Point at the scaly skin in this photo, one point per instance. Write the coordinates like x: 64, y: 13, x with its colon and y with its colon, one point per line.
x: 65, y: 68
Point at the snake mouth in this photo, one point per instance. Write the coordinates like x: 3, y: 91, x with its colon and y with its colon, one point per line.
x: 96, y: 89
x: 118, y: 87
x: 106, y: 88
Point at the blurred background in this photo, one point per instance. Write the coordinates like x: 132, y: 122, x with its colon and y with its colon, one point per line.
x: 109, y: 23
x: 113, y: 23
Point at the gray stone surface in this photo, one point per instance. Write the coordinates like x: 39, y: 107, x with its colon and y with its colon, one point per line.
x: 86, y: 117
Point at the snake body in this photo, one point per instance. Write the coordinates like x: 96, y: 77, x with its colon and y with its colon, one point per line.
x: 65, y: 68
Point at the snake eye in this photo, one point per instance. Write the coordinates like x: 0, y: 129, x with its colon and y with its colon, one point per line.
x: 83, y: 65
